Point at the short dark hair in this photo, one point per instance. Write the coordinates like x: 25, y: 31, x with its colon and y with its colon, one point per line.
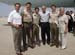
x: 36, y: 8
x: 17, y: 4
x: 53, y: 5
x: 28, y: 3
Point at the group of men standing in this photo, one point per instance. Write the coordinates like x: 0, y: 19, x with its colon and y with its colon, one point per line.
x: 25, y: 26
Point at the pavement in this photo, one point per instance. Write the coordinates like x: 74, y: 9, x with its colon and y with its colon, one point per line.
x: 7, y: 46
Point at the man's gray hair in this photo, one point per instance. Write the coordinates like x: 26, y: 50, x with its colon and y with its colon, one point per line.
x: 62, y: 8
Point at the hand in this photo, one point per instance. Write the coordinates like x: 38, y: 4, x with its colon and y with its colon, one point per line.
x: 22, y: 25
x: 66, y: 30
x: 16, y: 26
x: 49, y: 15
x: 25, y: 15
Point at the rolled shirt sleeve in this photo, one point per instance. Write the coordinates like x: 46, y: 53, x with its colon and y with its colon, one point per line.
x: 15, y: 17
x: 10, y: 18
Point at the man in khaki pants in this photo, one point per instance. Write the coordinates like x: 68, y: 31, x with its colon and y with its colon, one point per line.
x: 15, y: 20
x: 54, y: 26
x: 36, y: 19
x: 27, y: 22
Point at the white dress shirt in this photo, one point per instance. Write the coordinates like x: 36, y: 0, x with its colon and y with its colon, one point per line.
x: 15, y: 17
x: 44, y: 16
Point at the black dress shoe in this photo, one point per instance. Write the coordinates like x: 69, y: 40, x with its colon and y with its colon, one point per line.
x: 48, y: 43
x: 44, y: 43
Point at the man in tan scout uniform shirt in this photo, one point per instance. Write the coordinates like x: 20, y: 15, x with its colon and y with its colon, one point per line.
x: 36, y: 19
x: 53, y: 26
x: 27, y: 22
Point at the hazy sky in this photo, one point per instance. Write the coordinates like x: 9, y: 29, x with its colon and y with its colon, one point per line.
x: 69, y: 3
x: 6, y: 8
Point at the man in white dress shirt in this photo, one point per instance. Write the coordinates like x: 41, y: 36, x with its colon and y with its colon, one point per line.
x: 15, y: 21
x: 44, y: 23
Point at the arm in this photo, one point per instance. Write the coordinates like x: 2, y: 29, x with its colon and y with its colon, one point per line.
x: 10, y: 21
x: 66, y: 24
x: 49, y: 15
x: 66, y: 28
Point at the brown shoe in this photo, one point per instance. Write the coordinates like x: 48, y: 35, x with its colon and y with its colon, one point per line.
x: 52, y: 44
x: 57, y: 46
x: 19, y: 53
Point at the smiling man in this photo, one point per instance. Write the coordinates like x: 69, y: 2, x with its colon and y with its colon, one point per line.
x: 15, y: 21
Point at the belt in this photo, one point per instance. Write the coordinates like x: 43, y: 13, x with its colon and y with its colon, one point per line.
x: 44, y: 22
x: 27, y: 22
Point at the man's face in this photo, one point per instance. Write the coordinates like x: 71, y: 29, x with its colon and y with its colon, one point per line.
x: 62, y: 11
x: 53, y: 8
x: 37, y: 10
x: 28, y: 6
x: 71, y: 12
x: 44, y: 8
x: 17, y: 7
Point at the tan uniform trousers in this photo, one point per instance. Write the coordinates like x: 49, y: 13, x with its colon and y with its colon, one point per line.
x: 28, y: 32
x: 54, y: 33
x: 36, y: 34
